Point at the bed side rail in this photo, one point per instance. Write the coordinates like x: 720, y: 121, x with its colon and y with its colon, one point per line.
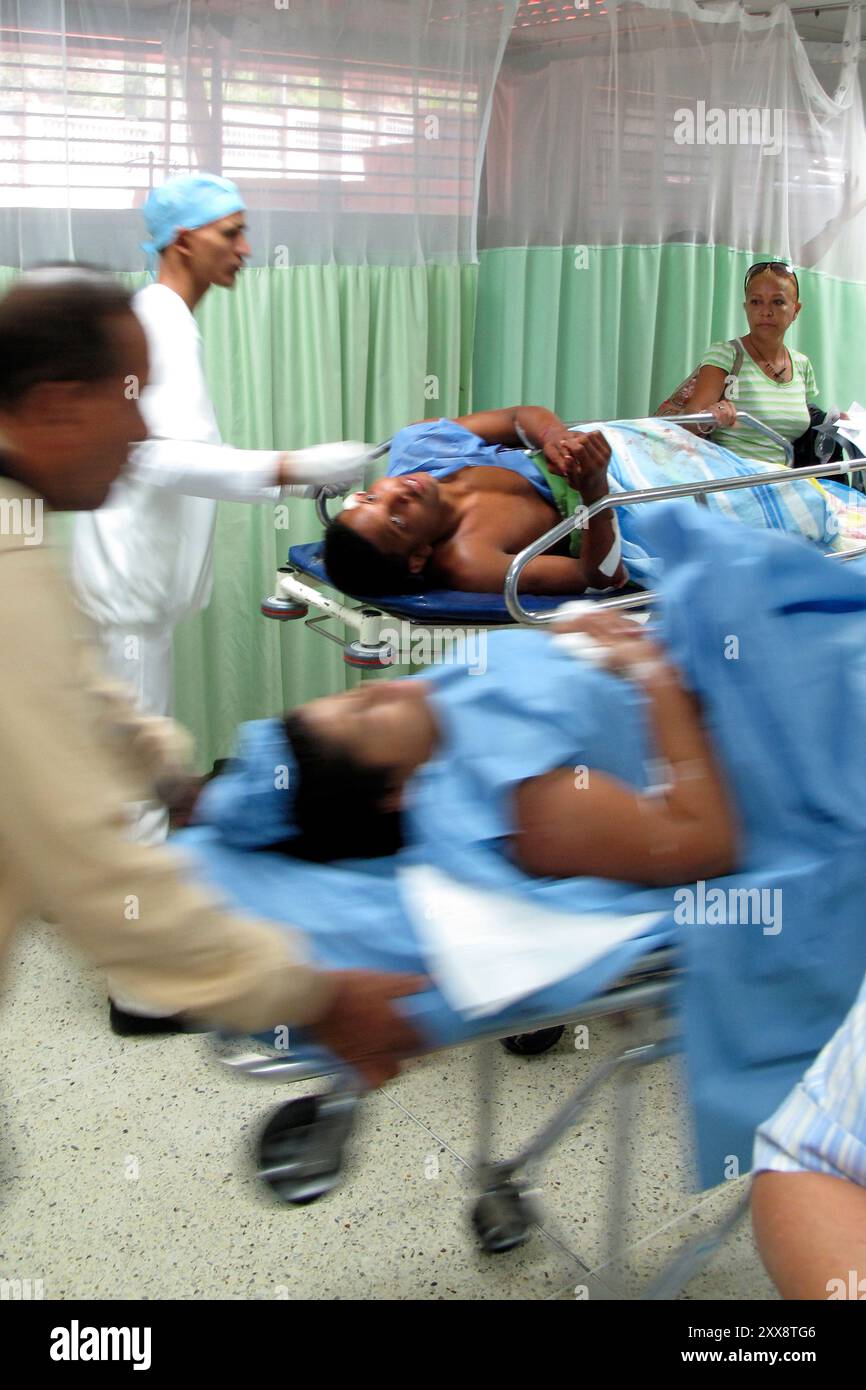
x: 660, y: 494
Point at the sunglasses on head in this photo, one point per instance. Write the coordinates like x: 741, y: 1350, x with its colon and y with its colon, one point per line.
x: 777, y: 267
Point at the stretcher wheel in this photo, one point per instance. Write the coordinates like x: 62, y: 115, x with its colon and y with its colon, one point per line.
x: 300, y: 1151
x: 282, y: 609
x: 375, y: 658
x: 532, y: 1044
x: 502, y: 1219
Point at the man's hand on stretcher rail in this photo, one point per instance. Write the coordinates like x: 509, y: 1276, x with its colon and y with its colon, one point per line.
x: 582, y: 459
x: 363, y: 1027
x: 673, y: 834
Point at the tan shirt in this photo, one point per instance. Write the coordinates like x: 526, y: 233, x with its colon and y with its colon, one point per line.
x: 66, y: 774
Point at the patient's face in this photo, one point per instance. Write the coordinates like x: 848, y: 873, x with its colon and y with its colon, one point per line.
x: 397, y: 515
x: 382, y: 724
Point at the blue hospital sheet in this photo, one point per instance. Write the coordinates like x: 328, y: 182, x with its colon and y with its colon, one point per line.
x: 773, y: 638
x: 442, y: 447
x: 352, y: 917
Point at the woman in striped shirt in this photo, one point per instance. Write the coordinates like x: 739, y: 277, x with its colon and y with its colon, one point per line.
x: 775, y: 384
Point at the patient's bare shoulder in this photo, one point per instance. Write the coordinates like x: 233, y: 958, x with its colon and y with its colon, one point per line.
x: 464, y: 562
x: 492, y: 529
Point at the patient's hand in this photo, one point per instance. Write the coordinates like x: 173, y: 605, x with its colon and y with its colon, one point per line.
x: 625, y: 646
x: 581, y: 459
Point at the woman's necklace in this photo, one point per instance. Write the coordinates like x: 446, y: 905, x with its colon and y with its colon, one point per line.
x: 782, y: 370
x: 777, y: 374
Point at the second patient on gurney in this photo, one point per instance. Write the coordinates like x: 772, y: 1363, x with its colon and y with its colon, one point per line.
x: 393, y: 763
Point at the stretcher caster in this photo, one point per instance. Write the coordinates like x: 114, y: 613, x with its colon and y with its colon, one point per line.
x: 282, y: 609
x: 371, y: 658
x: 301, y: 1147
x: 533, y: 1044
x: 502, y: 1219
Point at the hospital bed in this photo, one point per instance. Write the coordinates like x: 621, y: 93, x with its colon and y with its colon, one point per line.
x: 298, y: 587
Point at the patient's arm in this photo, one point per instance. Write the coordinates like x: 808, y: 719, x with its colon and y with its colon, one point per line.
x: 501, y: 426
x: 597, y: 826
x: 481, y: 568
x: 580, y: 458
x: 477, y: 561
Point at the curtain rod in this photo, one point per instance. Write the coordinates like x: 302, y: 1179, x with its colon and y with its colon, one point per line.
x: 815, y: 9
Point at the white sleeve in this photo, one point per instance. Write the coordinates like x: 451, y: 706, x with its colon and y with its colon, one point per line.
x: 183, y: 452
x: 207, y: 470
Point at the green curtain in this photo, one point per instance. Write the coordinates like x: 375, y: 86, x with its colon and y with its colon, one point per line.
x: 608, y: 332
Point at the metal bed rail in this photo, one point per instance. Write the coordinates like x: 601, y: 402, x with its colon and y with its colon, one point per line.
x: 582, y: 516
x: 644, y: 986
x: 300, y: 1153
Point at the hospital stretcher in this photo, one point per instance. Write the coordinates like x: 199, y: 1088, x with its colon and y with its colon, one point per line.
x: 300, y: 1151
x: 301, y: 1148
x: 298, y: 583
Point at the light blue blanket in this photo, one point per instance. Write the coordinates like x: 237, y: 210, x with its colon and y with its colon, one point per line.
x: 654, y: 453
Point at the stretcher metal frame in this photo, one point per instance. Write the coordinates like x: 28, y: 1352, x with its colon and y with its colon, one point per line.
x: 301, y: 1164
x: 293, y: 597
x: 505, y: 1211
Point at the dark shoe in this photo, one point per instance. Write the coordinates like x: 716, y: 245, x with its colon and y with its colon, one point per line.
x: 137, y: 1025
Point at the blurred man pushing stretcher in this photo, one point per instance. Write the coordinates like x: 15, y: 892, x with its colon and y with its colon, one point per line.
x: 68, y: 341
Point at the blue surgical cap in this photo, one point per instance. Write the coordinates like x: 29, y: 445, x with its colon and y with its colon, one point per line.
x: 251, y: 802
x: 192, y: 200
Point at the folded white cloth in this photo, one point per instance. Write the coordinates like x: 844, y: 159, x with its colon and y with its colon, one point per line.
x: 487, y: 950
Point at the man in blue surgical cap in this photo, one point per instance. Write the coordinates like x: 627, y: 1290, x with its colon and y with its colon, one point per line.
x: 143, y: 562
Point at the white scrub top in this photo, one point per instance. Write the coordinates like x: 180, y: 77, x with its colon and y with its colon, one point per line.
x: 146, y: 555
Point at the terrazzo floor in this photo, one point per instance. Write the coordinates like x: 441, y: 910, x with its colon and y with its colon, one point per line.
x: 126, y: 1171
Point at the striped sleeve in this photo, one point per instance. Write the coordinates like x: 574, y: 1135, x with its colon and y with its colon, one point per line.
x: 810, y: 383
x: 719, y: 355
x: 821, y: 1127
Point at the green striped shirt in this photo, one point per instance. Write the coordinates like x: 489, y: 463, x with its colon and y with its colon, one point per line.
x: 783, y: 405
